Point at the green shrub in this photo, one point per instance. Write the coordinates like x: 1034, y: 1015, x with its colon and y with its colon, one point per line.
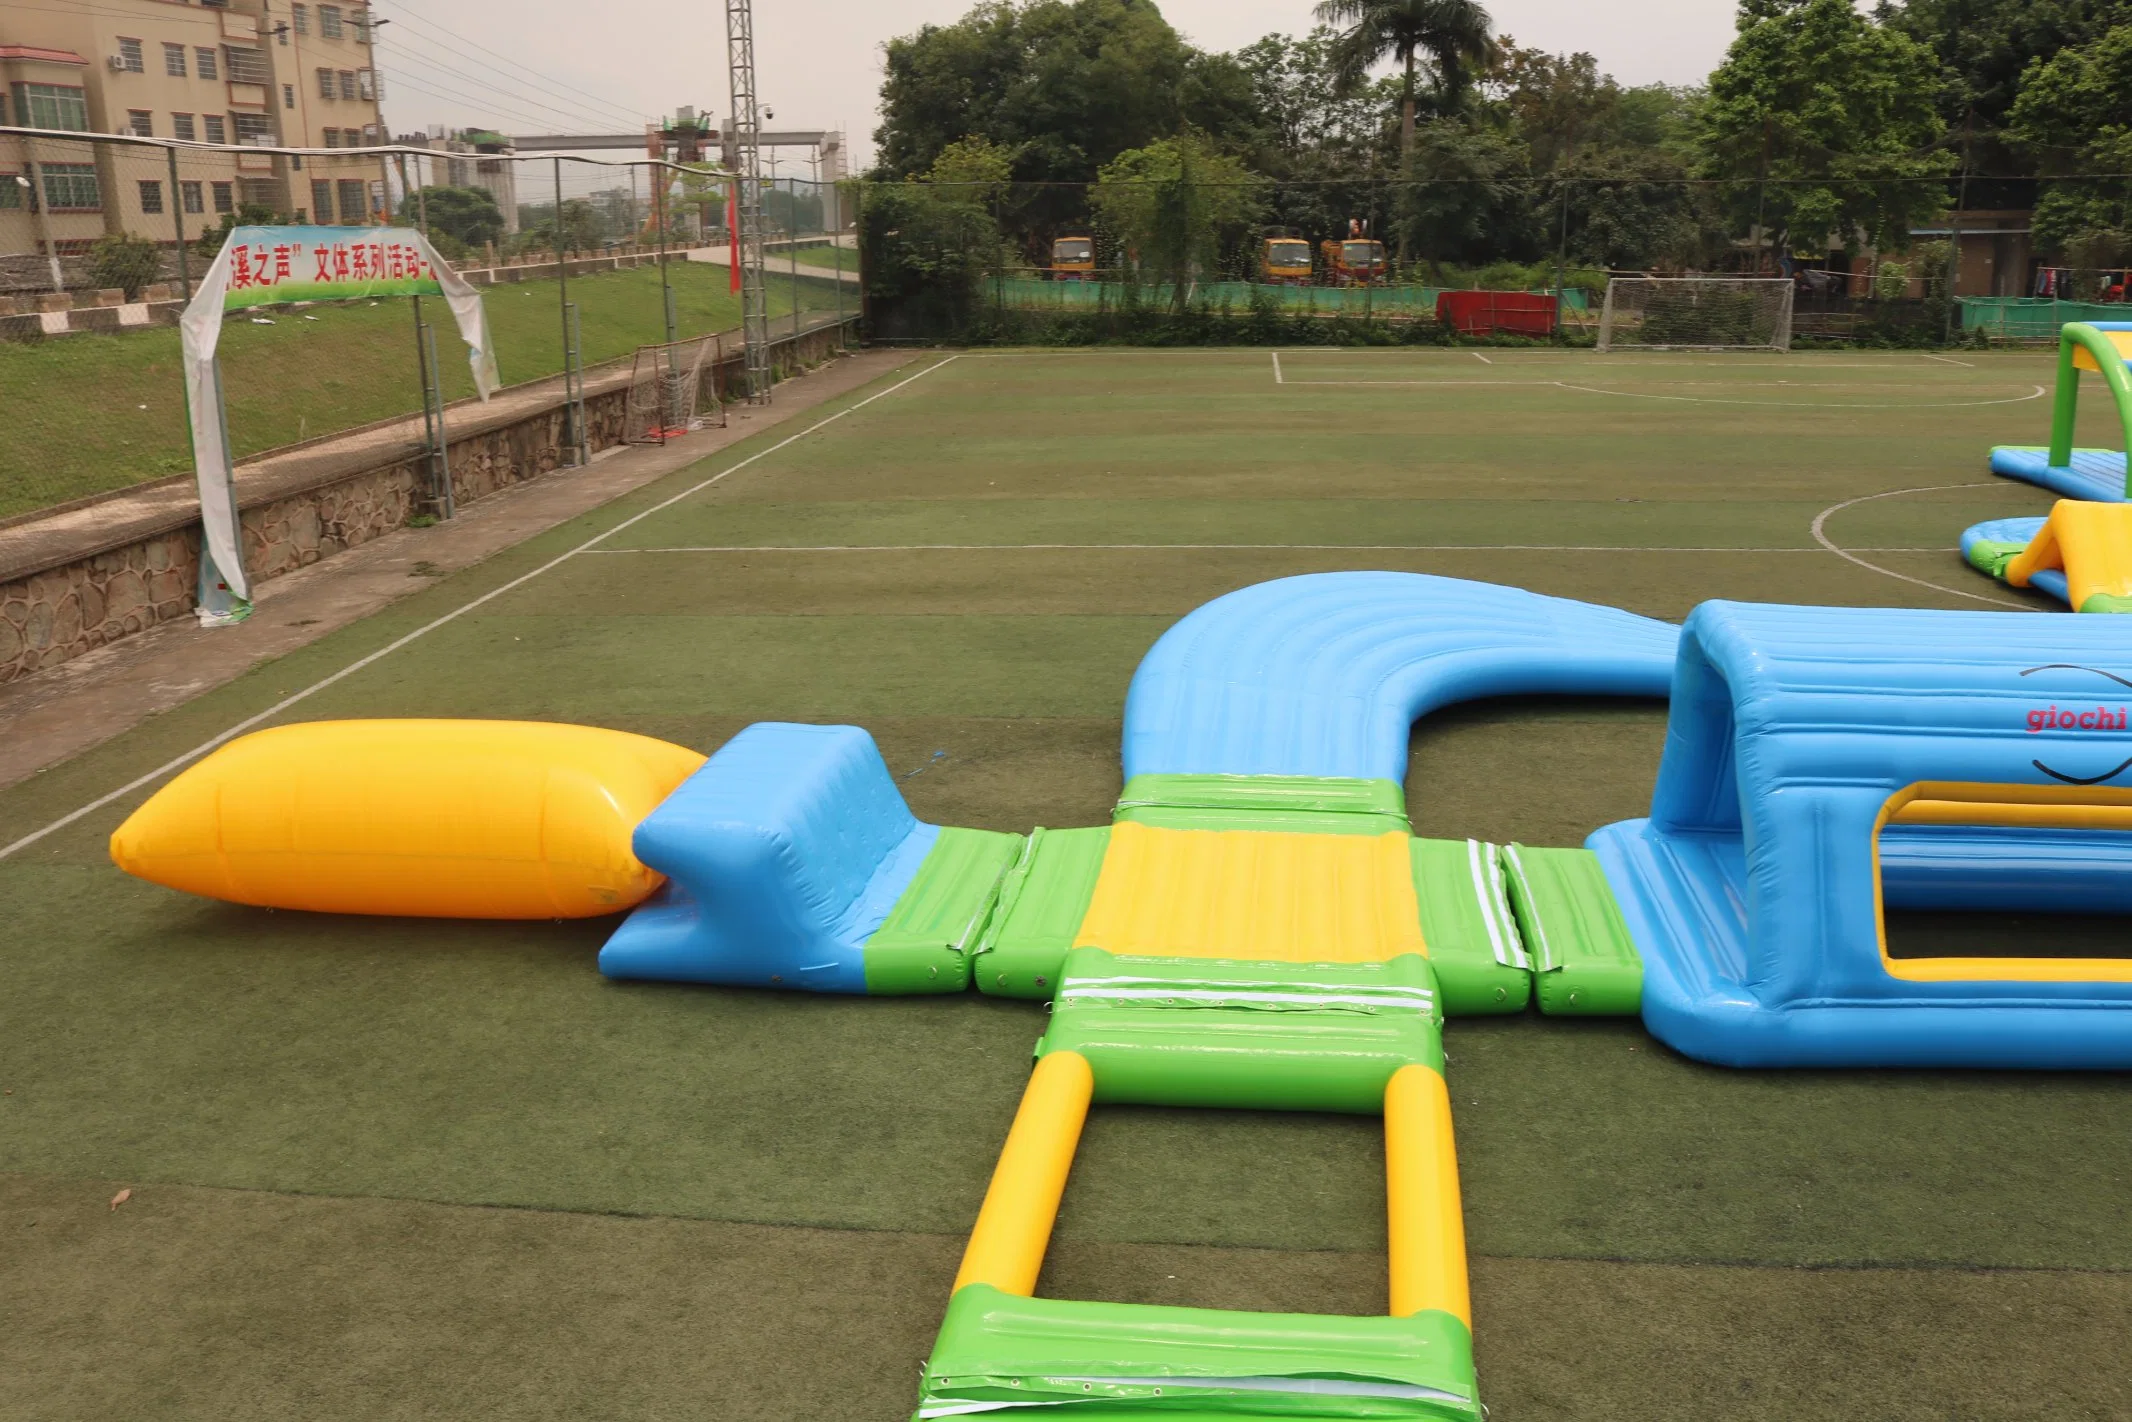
x: 126, y: 261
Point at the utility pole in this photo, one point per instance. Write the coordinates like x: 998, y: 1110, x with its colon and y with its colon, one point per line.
x: 747, y: 146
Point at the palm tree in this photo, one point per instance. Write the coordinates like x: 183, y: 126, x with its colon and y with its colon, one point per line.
x: 1452, y: 34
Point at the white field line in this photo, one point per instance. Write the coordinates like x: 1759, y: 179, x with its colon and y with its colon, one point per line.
x: 1277, y: 369
x: 1820, y: 527
x: 454, y: 615
x: 1235, y: 547
x: 1949, y: 360
x: 1482, y: 359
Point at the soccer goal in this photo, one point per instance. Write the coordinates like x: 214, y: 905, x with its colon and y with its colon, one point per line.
x: 667, y: 389
x: 1696, y: 314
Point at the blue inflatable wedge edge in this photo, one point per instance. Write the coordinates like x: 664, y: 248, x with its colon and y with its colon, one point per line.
x: 1754, y: 889
x: 1325, y: 674
x: 784, y: 852
x: 2009, y: 533
x: 2095, y: 474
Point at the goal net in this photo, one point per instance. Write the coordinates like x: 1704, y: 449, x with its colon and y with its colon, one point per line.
x: 666, y: 389
x: 1696, y: 314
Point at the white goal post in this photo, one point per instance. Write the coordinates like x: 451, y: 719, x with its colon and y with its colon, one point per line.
x: 1704, y: 313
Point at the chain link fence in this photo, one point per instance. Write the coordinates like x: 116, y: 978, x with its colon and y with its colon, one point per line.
x: 595, y: 273
x: 1393, y: 260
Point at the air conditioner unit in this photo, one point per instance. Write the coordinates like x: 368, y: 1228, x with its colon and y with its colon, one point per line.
x: 116, y: 61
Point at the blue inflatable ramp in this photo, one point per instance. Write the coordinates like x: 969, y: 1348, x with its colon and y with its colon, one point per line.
x: 1825, y: 764
x: 793, y: 862
x: 1989, y: 546
x: 2094, y: 474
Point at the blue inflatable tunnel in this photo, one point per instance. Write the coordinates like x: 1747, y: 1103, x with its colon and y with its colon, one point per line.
x: 1824, y: 764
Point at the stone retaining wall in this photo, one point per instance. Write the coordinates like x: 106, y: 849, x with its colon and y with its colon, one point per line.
x: 57, y: 613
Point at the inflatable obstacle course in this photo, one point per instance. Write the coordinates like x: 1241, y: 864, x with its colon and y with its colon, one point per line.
x: 2081, y: 554
x: 2103, y: 347
x: 1258, y: 929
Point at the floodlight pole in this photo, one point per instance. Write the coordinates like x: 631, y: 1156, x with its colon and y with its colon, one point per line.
x: 747, y: 148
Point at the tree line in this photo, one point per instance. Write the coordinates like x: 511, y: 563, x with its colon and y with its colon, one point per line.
x: 1824, y: 127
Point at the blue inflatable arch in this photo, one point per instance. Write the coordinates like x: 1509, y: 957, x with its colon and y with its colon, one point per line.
x: 1991, y: 748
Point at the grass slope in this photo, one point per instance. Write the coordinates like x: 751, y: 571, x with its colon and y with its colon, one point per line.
x: 96, y: 412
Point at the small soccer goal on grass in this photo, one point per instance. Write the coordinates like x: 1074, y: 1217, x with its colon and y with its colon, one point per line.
x: 1696, y: 314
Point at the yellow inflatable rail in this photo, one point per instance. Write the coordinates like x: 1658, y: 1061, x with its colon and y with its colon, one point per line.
x: 441, y: 819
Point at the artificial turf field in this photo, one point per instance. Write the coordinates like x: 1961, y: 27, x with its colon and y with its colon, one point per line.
x: 414, y: 1169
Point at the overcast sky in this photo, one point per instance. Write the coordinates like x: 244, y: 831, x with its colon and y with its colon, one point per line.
x: 527, y: 66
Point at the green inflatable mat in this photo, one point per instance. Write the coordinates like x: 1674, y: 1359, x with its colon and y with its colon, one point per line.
x: 1110, y: 1362
x: 1292, y: 804
x: 1480, y: 960
x: 1041, y: 904
x: 926, y: 942
x: 1585, y: 964
x: 1248, y: 1036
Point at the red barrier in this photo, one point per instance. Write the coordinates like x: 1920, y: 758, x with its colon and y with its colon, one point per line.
x: 1487, y: 313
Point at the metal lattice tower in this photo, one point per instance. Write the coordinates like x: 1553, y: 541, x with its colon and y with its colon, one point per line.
x: 747, y: 146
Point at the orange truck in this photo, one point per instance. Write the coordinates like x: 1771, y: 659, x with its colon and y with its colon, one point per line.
x: 1073, y: 259
x: 1284, y: 261
x: 1355, y: 261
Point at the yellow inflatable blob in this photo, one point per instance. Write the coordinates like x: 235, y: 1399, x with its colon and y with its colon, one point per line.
x: 445, y: 819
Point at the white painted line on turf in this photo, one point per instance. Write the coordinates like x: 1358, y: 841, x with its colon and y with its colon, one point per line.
x: 1241, y: 547
x: 1949, y: 360
x: 454, y: 615
x: 1277, y: 369
x: 1820, y: 526
x: 2036, y: 393
x: 1482, y: 359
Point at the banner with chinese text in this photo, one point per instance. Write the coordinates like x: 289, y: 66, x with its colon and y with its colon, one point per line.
x: 274, y: 264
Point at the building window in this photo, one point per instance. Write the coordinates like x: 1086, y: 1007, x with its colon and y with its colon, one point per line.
x: 204, y: 62
x: 182, y: 127
x: 51, y: 106
x: 246, y: 66
x: 224, y: 202
x: 322, y: 199
x: 11, y: 185
x: 254, y: 128
x: 333, y: 138
x: 347, y: 78
x: 258, y: 192
x: 71, y: 187
x: 151, y: 196
x: 189, y: 196
x: 217, y: 130
x: 329, y: 22
x: 325, y: 84
x: 362, y: 26
x: 288, y: 96
x: 300, y: 17
x: 129, y: 54
x: 363, y: 86
x: 354, y: 204
x: 174, y: 61
x: 140, y: 123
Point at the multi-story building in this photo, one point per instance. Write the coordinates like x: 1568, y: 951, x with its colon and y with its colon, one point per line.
x: 243, y: 72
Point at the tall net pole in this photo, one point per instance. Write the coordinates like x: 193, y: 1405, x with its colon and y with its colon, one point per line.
x: 747, y: 148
